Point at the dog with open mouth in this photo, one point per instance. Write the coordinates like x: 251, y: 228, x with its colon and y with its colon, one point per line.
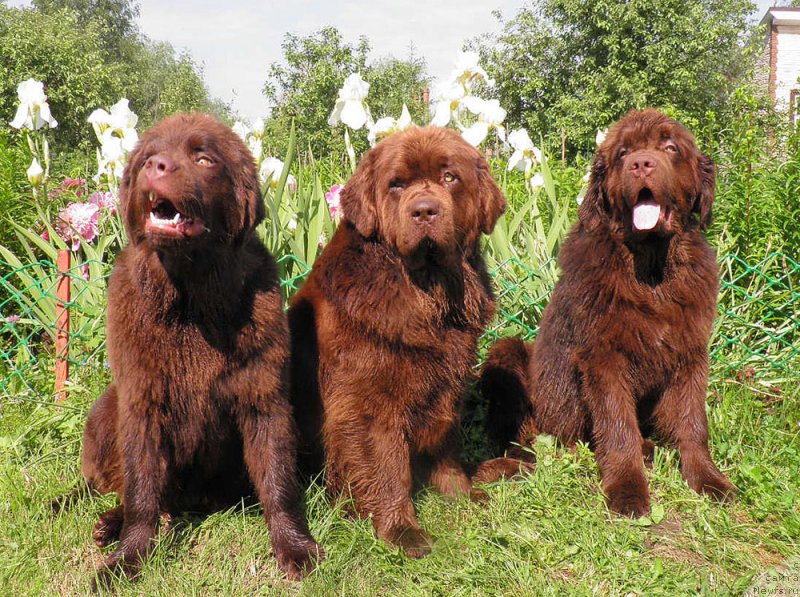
x: 198, y: 414
x: 384, y: 330
x: 622, y: 349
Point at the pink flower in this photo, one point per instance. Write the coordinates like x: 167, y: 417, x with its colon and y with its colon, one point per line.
x: 12, y: 319
x: 73, y: 183
x: 104, y: 201
x: 78, y: 220
x: 76, y: 185
x: 332, y: 197
x: 85, y: 272
x: 45, y: 235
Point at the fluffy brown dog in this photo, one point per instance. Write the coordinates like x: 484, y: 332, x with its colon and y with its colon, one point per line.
x: 622, y: 350
x: 199, y: 348
x: 384, y: 331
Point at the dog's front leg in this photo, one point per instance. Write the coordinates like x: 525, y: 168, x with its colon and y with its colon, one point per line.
x: 372, y: 456
x: 615, y: 428
x: 270, y: 452
x: 680, y: 417
x: 145, y: 474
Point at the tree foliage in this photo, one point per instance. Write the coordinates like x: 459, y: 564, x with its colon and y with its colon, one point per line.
x: 67, y: 56
x: 114, y: 20
x: 394, y: 82
x: 574, y: 66
x: 304, y: 86
x: 161, y: 82
x: 757, y: 151
x: 89, y: 54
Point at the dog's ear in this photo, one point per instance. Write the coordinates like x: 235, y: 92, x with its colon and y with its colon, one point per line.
x: 247, y: 191
x: 705, y: 198
x: 595, y: 208
x: 359, y: 199
x: 127, y: 210
x: 492, y: 200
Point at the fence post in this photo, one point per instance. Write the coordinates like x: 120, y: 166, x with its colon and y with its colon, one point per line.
x: 62, y: 324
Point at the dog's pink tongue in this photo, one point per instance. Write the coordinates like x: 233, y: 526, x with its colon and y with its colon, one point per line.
x: 645, y: 215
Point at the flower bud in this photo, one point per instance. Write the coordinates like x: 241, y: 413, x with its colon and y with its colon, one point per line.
x: 35, y: 173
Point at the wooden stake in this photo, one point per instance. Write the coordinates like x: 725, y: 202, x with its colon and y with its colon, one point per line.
x: 62, y: 325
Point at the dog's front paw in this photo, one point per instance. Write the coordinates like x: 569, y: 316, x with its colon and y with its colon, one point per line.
x: 712, y: 483
x: 629, y: 498
x: 415, y: 542
x: 299, y: 559
x: 478, y: 496
x: 115, y: 567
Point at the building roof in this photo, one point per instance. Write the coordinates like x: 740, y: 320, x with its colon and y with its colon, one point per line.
x: 782, y: 15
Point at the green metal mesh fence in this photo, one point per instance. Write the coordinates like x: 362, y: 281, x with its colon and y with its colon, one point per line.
x: 759, y: 321
x: 756, y: 333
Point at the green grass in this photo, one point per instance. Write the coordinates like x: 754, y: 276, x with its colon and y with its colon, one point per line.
x: 549, y: 533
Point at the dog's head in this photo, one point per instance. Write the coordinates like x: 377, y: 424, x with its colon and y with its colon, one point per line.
x: 649, y: 178
x: 422, y: 190
x: 190, y: 182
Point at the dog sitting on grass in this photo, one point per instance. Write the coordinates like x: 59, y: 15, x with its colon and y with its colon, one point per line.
x: 622, y: 350
x: 198, y: 413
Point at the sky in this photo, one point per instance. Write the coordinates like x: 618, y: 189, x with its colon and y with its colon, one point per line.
x: 237, y: 44
x: 236, y: 41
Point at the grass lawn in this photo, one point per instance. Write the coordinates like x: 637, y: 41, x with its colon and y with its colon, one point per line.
x: 549, y: 533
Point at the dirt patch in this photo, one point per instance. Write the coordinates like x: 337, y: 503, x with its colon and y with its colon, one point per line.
x: 79, y: 566
x: 667, y: 540
x: 783, y: 579
x: 564, y: 575
x: 766, y: 558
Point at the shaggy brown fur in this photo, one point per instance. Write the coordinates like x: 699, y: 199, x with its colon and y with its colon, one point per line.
x: 622, y: 348
x: 198, y: 415
x: 384, y: 331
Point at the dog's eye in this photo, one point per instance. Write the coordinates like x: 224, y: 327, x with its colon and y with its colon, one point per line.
x: 622, y: 152
x: 397, y: 183
x: 450, y: 177
x: 671, y: 147
x: 204, y: 160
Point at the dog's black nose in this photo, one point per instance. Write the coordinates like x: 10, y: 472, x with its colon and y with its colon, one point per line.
x: 158, y: 165
x: 424, y: 210
x: 642, y: 164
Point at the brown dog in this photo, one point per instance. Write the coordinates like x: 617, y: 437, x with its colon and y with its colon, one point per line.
x: 384, y: 330
x: 199, y: 347
x: 622, y: 350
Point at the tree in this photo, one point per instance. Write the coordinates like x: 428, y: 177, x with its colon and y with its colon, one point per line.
x: 395, y: 82
x: 305, y: 85
x: 115, y: 20
x: 158, y: 81
x: 83, y: 67
x: 69, y: 58
x: 574, y: 66
x: 163, y: 83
